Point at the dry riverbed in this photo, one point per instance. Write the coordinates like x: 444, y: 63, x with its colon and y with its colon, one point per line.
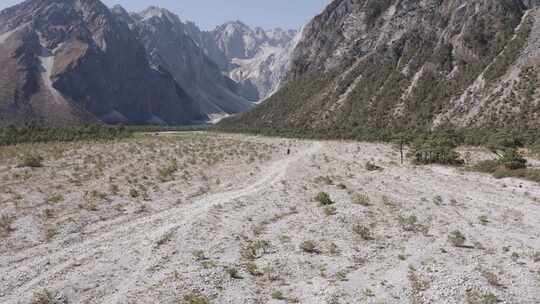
x: 217, y: 218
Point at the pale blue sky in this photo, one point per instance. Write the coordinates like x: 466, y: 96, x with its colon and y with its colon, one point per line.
x: 209, y: 13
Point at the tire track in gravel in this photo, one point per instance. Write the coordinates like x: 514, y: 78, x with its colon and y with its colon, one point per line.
x: 135, y: 238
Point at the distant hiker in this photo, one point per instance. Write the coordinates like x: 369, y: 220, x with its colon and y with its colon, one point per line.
x: 288, y: 151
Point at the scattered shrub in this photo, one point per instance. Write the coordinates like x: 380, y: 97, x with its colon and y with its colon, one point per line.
x: 134, y: 193
x: 510, y: 164
x: 372, y: 167
x: 363, y: 231
x: 438, y: 200
x: 436, y: 149
x: 56, y: 198
x: 43, y: 297
x: 31, y: 160
x: 196, y: 298
x: 256, y: 249
x: 512, y: 160
x: 330, y: 210
x: 309, y: 247
x: 327, y: 180
x: 253, y: 269
x: 199, y: 255
x: 475, y: 297
x: 278, y: 295
x: 5, y: 225
x: 361, y: 199
x: 483, y: 220
x: 12, y: 135
x: 166, y: 173
x: 324, y: 199
x: 409, y: 223
x: 456, y: 238
x: 233, y: 273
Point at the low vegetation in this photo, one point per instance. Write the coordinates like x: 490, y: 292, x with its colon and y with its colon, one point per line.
x: 256, y: 249
x: 12, y: 135
x: 361, y: 199
x: 278, y: 295
x: 436, y: 149
x: 363, y: 231
x: 456, y: 238
x: 309, y: 247
x: 196, y: 298
x: 324, y: 199
x: 43, y: 297
x: 509, y: 161
x: 30, y: 160
x: 471, y: 136
x: 6, y: 223
x: 275, y: 236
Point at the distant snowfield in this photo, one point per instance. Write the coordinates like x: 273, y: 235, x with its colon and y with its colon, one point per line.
x: 47, y: 63
x: 4, y: 37
x: 217, y: 117
x: 46, y: 60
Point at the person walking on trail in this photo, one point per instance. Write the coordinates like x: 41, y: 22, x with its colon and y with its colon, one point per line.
x: 288, y: 151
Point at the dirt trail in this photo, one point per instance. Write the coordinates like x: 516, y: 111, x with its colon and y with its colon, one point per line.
x: 393, y: 246
x: 127, y: 242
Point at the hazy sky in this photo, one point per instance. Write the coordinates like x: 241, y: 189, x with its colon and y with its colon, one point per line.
x: 209, y: 13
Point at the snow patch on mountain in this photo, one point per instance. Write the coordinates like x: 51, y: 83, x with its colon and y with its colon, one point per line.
x: 4, y: 37
x: 255, y: 58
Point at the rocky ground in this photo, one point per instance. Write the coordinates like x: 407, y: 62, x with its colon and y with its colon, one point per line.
x: 212, y: 218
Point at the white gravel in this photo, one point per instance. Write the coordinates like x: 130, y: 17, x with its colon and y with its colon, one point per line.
x: 148, y: 257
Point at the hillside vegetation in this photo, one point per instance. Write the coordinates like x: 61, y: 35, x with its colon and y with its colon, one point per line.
x: 371, y: 64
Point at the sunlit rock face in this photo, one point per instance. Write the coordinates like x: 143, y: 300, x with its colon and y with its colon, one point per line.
x: 387, y: 63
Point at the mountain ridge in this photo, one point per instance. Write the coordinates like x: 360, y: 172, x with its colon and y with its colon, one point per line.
x: 253, y: 57
x: 71, y: 62
x: 408, y: 64
x: 78, y: 61
x: 168, y: 45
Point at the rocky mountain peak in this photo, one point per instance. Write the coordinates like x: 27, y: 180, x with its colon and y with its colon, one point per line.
x: 531, y: 3
x: 412, y: 64
x: 167, y: 41
x: 160, y: 13
x: 78, y: 60
x: 232, y: 27
x: 74, y: 60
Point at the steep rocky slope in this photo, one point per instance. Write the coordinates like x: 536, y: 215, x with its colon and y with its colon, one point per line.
x: 266, y: 70
x: 72, y: 61
x: 169, y: 46
x: 405, y: 63
x: 255, y: 58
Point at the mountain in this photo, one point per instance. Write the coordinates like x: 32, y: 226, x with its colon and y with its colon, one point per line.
x: 408, y: 63
x: 169, y: 46
x: 255, y: 58
x: 73, y: 61
x: 265, y: 70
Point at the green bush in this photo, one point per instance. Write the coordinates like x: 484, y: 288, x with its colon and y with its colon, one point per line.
x: 436, y: 149
x: 510, y: 164
x: 309, y: 247
x: 512, y: 160
x: 324, y: 199
x: 196, y: 298
x: 361, y: 199
x: 12, y: 135
x: 6, y: 223
x: 456, y: 238
x: 31, y: 160
x: 363, y: 231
